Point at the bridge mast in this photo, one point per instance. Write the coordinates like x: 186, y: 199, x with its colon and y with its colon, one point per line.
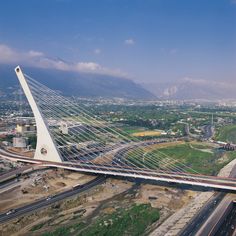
x: 46, y: 148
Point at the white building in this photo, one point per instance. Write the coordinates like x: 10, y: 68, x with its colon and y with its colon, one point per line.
x: 19, y: 142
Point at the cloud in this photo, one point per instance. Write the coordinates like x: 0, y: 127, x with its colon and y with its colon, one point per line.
x: 39, y: 59
x: 233, y: 1
x: 9, y: 55
x: 97, y: 51
x: 33, y: 53
x: 129, y: 42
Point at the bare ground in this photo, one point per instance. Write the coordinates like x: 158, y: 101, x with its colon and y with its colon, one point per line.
x: 103, y: 199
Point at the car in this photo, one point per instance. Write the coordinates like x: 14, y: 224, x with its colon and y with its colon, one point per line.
x: 48, y: 198
x: 78, y: 186
x: 10, y: 212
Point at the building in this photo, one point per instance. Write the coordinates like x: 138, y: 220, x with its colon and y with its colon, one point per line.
x: 25, y: 128
x: 19, y: 142
x: 5, y: 143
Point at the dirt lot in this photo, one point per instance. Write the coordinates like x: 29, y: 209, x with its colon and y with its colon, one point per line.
x: 171, y: 198
x: 39, y: 185
x: 103, y: 199
x: 146, y: 133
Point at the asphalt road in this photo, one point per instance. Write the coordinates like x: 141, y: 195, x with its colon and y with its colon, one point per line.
x: 48, y: 201
x: 194, y: 225
x: 228, y: 225
x: 208, y: 131
x: 214, y: 221
x: 12, y: 174
x: 209, y: 211
x: 8, y: 183
x: 13, y: 177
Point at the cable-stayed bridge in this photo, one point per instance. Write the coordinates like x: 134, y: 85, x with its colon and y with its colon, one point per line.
x: 70, y: 137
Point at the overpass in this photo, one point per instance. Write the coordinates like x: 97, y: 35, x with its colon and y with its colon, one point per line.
x: 172, y: 177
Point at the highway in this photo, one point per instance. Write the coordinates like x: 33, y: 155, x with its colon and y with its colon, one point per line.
x: 5, y: 177
x: 214, y: 221
x: 8, y: 183
x: 12, y: 178
x: 198, y: 220
x: 6, y: 216
x: 228, y: 225
x: 205, y: 221
x: 210, y: 216
x: 158, y: 175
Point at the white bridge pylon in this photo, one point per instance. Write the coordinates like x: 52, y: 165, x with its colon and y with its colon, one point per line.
x: 46, y: 148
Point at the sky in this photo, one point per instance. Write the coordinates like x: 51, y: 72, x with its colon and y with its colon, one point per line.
x: 148, y: 41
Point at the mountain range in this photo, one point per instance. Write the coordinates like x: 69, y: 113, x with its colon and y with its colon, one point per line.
x: 77, y: 84
x: 104, y: 86
x: 189, y: 88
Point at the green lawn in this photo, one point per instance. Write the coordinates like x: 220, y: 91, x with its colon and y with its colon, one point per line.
x: 132, y: 129
x: 132, y: 221
x: 197, y: 160
x: 37, y: 227
x: 227, y: 133
x: 190, y: 157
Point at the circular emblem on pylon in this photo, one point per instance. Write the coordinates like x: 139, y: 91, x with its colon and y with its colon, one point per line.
x: 43, y: 151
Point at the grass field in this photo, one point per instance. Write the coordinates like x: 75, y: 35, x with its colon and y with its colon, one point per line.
x: 227, y: 134
x: 192, y: 155
x: 132, y: 129
x: 132, y: 221
x: 197, y: 160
